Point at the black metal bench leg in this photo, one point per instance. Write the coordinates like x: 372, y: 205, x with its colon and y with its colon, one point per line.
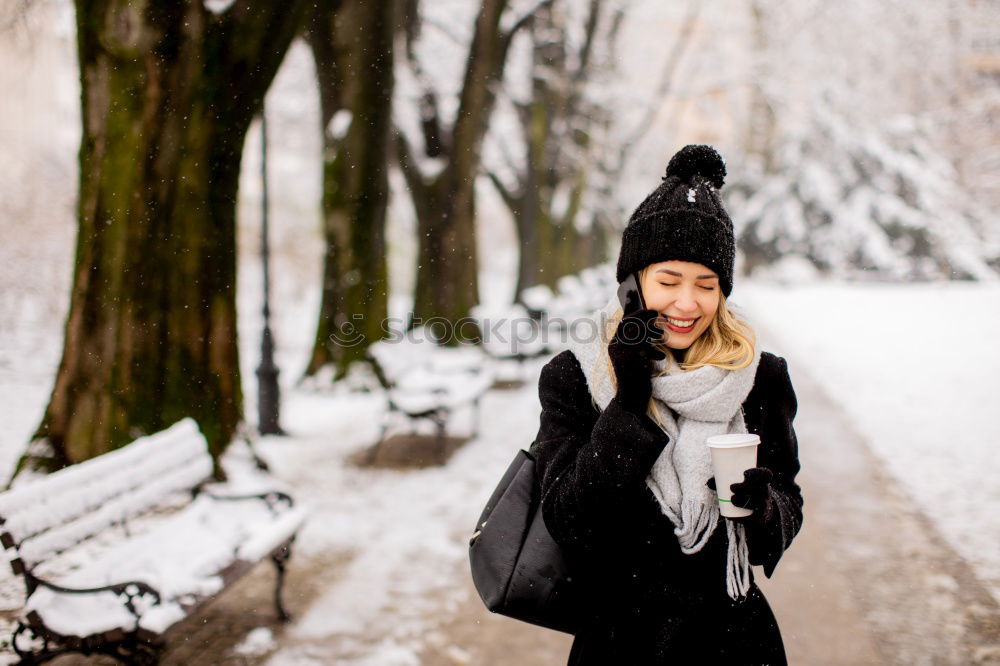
x: 441, y: 420
x: 130, y: 651
x: 476, y: 417
x: 29, y: 656
x: 135, y: 653
x: 374, y: 450
x: 280, y: 559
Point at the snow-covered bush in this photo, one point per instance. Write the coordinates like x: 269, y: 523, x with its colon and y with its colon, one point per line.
x: 860, y: 203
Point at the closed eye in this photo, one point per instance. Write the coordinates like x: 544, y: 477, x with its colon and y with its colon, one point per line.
x: 674, y: 284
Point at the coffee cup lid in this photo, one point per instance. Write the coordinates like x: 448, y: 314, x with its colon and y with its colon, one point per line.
x: 732, y: 440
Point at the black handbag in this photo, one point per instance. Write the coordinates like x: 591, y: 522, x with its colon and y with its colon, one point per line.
x: 517, y: 567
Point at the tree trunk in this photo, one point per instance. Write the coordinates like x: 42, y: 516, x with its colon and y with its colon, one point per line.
x: 447, y: 266
x: 550, y: 244
x: 761, y: 127
x: 352, y: 44
x: 168, y: 91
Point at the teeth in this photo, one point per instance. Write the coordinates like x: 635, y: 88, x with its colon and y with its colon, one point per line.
x: 679, y: 323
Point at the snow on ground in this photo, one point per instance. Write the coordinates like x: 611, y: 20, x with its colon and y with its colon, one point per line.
x: 407, y: 531
x: 917, y: 366
x: 920, y: 399
x: 258, y: 641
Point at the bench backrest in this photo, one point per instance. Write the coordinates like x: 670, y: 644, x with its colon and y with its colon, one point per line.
x: 394, y: 358
x: 417, y: 350
x: 45, y: 517
x: 509, y: 330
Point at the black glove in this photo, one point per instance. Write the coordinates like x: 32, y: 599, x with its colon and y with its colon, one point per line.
x: 631, y: 352
x: 754, y: 492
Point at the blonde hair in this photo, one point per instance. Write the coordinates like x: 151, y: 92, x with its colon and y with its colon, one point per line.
x: 727, y: 343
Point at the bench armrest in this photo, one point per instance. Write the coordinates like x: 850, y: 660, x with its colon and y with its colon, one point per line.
x: 272, y: 498
x: 128, y: 590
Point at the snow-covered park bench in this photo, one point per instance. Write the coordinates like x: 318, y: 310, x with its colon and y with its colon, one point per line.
x: 578, y: 296
x: 537, y: 300
x: 510, y: 335
x: 426, y: 381
x: 116, y: 550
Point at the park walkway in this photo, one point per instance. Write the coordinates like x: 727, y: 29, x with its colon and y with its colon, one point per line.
x: 867, y: 580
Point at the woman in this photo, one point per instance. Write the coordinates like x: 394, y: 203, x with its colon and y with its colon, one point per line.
x: 627, y: 485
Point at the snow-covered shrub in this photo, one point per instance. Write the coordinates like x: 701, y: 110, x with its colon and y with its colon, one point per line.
x: 860, y: 203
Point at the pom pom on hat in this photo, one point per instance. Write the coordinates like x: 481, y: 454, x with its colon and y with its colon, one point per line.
x: 697, y: 160
x: 683, y: 219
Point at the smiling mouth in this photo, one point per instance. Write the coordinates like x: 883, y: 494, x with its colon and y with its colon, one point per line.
x: 681, y: 325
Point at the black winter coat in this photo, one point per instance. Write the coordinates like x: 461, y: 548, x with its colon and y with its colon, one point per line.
x: 646, y: 602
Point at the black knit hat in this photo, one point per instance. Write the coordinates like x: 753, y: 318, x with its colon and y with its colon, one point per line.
x: 683, y: 219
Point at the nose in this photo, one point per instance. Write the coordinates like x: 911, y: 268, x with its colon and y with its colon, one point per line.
x: 685, y: 302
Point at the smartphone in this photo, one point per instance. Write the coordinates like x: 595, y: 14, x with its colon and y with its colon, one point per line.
x: 630, y: 295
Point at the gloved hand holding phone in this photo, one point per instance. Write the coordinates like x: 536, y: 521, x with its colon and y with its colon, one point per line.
x: 633, y: 349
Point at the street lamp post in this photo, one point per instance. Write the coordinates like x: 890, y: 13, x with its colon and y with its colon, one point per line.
x: 268, y: 393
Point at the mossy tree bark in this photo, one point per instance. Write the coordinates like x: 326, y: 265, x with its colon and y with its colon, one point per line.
x: 168, y: 92
x: 447, y: 267
x: 352, y: 44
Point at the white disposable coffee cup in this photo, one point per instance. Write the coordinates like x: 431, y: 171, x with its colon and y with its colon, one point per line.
x: 732, y: 455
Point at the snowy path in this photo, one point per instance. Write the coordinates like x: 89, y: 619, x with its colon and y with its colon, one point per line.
x: 407, y: 531
x: 923, y: 394
x: 384, y: 553
x: 868, y: 581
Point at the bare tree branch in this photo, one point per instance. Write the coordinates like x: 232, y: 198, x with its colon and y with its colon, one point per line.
x: 437, y: 141
x: 512, y: 200
x: 586, y: 50
x: 411, y: 171
x: 520, y: 23
x: 246, y: 43
x: 617, y: 19
x: 410, y: 23
x: 522, y: 111
x: 667, y: 78
x: 446, y: 31
x: 318, y: 31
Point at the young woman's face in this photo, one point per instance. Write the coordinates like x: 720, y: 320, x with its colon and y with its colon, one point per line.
x: 687, y: 297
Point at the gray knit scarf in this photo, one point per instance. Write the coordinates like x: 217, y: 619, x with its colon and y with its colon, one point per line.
x: 707, y: 402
